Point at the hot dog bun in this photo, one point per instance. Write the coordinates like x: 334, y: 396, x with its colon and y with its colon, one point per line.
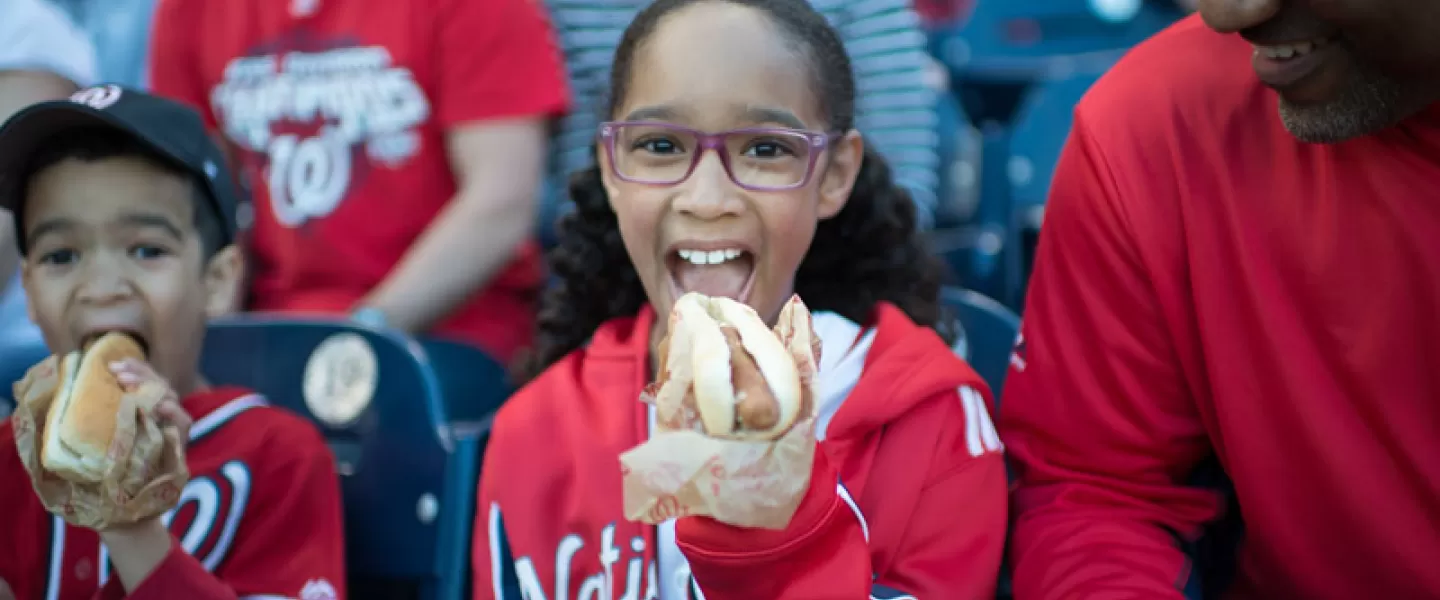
x: 746, y: 383
x: 81, y: 423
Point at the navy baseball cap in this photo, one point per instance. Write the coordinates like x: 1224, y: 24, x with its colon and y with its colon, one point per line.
x: 173, y: 130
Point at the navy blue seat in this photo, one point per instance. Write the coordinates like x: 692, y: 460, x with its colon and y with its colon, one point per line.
x: 1041, y: 128
x: 408, y: 470
x: 1028, y: 40
x: 959, y: 174
x: 995, y: 55
x: 14, y: 361
x: 990, y: 331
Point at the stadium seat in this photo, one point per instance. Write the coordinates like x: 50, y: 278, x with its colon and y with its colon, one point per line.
x: 959, y: 175
x: 14, y: 361
x: 1040, y: 129
x: 1028, y: 40
x: 408, y: 470
x: 990, y: 331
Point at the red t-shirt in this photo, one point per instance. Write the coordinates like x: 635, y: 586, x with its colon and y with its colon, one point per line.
x: 1207, y: 285
x: 260, y: 516
x: 338, y: 110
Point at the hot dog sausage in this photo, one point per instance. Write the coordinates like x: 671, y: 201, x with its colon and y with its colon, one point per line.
x: 755, y: 407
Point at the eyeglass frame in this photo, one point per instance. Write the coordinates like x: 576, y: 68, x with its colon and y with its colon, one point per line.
x: 716, y: 141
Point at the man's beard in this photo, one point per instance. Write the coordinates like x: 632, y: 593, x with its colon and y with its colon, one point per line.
x: 1372, y: 102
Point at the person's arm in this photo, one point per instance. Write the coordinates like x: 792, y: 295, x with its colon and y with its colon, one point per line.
x: 1097, y: 418
x: 951, y: 549
x: 501, y: 80
x: 43, y: 56
x: 895, y: 99
x: 289, y: 541
x: 498, y: 165
x: 19, y: 89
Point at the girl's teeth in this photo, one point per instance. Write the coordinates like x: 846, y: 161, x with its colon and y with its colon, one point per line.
x: 710, y: 257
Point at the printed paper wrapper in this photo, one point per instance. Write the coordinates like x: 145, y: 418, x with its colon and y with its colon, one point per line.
x: 681, y: 472
x: 144, y: 484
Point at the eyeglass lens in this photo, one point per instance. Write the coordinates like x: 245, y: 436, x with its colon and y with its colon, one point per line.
x: 661, y: 154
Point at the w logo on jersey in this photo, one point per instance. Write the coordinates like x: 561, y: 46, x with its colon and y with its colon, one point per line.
x: 209, y: 512
x: 207, y: 516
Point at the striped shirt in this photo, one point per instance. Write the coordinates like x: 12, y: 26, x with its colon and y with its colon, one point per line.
x: 895, y: 107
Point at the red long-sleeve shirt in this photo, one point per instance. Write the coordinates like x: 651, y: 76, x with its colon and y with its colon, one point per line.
x: 907, y: 494
x: 1207, y: 285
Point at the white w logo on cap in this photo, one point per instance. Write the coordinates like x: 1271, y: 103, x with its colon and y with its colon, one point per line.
x: 99, y: 97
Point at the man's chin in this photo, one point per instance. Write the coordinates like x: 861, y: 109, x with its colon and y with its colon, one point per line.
x: 1366, y: 106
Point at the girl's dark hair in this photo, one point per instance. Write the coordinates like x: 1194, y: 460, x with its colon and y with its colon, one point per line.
x: 868, y: 253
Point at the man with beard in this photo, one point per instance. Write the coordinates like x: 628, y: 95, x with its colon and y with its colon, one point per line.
x: 1241, y: 266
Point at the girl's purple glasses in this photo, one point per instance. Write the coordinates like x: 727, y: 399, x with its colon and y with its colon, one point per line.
x: 761, y: 159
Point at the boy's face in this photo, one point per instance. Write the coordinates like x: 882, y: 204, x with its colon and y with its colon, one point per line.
x: 113, y: 246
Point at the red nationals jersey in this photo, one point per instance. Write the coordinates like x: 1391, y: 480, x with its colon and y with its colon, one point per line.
x: 260, y: 517
x: 907, y: 495
x: 338, y: 112
x: 1208, y: 286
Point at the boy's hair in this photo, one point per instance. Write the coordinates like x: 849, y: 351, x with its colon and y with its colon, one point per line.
x: 90, y: 144
x: 868, y: 253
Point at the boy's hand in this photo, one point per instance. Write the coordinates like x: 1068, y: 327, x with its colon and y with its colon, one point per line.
x: 135, y: 374
x: 5, y: 593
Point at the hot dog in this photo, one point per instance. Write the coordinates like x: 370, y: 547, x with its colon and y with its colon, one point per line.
x: 82, y: 421
x: 746, y: 384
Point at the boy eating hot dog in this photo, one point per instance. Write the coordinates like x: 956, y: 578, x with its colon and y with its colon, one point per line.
x: 126, y: 221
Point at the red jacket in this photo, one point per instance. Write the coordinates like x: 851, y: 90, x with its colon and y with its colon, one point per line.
x: 919, y: 511
x: 260, y: 517
x: 1209, y: 287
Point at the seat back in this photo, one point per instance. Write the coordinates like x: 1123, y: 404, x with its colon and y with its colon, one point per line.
x: 960, y: 153
x: 407, y: 472
x: 997, y: 33
x: 14, y: 361
x: 1041, y: 127
x: 990, y: 331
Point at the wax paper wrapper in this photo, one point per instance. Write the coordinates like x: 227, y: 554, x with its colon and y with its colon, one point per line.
x: 149, y: 472
x: 680, y: 471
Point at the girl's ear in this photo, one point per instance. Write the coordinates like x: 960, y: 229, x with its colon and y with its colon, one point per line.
x: 602, y: 162
x: 846, y: 156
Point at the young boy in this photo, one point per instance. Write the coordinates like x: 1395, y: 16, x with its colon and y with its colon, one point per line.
x: 126, y: 221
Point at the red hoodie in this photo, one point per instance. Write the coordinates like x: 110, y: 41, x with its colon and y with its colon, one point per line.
x: 1208, y: 286
x: 903, y: 428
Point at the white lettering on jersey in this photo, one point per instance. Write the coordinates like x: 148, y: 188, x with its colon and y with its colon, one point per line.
x: 1017, y: 355
x: 980, y: 434
x: 309, y: 112
x: 318, y: 589
x: 596, y: 586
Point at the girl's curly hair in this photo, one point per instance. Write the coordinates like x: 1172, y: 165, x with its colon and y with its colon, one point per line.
x: 868, y: 253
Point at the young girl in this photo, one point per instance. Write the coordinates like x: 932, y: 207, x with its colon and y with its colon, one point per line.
x: 731, y: 167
